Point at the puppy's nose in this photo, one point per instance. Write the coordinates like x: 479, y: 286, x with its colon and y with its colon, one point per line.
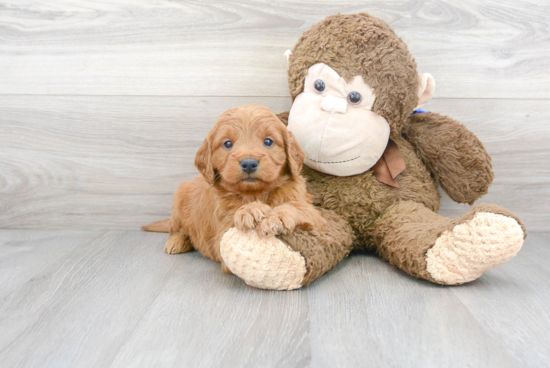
x: 249, y: 165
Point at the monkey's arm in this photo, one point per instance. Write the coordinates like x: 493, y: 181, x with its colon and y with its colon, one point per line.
x: 284, y: 117
x: 453, y: 154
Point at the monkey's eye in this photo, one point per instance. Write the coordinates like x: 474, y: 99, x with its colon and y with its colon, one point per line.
x: 319, y: 86
x: 228, y: 144
x: 268, y: 142
x: 354, y: 98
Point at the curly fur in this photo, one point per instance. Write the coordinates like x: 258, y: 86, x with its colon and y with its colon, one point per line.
x: 344, y: 42
x: 453, y: 154
x: 361, y: 199
x: 407, y: 230
x: 273, y: 199
x: 322, y: 250
x: 400, y: 224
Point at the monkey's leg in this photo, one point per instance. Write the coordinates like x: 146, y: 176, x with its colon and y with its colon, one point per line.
x: 449, y: 252
x: 288, y: 262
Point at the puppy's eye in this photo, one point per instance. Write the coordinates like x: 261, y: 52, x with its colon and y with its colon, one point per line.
x: 228, y: 144
x: 354, y: 98
x: 319, y: 86
x: 268, y: 142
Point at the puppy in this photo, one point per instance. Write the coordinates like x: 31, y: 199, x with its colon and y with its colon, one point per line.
x: 250, y: 179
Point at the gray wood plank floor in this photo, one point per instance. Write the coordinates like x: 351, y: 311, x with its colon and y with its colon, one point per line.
x: 77, y: 298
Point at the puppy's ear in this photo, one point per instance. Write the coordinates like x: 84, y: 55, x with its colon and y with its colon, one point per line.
x: 295, y: 155
x: 203, y: 161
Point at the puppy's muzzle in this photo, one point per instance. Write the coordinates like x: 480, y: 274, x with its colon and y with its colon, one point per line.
x: 249, y: 165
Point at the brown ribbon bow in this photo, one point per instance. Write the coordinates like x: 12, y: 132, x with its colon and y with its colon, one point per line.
x: 390, y: 165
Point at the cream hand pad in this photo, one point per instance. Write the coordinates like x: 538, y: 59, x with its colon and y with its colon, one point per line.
x: 265, y: 263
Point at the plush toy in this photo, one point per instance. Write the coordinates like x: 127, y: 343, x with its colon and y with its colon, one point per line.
x: 373, y: 163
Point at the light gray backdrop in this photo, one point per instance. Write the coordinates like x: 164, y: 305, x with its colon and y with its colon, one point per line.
x: 103, y: 104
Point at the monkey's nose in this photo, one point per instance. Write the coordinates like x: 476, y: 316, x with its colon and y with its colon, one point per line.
x: 249, y: 165
x: 334, y: 104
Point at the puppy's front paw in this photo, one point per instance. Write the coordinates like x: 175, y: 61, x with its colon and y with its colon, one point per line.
x: 278, y: 222
x: 249, y: 216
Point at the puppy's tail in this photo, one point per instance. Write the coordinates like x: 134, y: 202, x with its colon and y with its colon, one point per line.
x: 158, y: 227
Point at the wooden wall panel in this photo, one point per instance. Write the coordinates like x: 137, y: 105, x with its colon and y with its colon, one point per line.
x: 114, y: 162
x: 104, y: 103
x: 100, y: 162
x: 481, y: 49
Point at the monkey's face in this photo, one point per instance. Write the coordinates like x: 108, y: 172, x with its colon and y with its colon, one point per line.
x: 334, y: 123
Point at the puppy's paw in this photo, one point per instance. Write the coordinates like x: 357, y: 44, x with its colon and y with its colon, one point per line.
x: 249, y: 216
x: 176, y: 243
x: 278, y: 222
x: 316, y: 223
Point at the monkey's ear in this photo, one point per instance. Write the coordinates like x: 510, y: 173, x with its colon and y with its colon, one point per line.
x: 203, y: 161
x: 426, y: 89
x: 287, y: 58
x: 295, y: 155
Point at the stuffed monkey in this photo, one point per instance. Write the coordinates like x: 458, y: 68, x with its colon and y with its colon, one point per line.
x: 373, y: 161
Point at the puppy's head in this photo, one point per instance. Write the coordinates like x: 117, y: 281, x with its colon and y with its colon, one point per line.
x: 249, y: 151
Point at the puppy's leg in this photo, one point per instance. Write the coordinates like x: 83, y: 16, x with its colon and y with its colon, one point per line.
x: 309, y: 218
x: 179, y: 241
x: 249, y: 216
x: 286, y: 217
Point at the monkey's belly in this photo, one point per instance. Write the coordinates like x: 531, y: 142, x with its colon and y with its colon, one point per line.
x: 361, y: 199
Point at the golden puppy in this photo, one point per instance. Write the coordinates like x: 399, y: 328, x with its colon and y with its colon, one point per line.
x: 250, y: 179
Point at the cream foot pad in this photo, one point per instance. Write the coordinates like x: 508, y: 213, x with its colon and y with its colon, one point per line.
x: 462, y: 254
x: 265, y: 263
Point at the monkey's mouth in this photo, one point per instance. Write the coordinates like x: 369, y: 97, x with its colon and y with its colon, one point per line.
x: 333, y: 162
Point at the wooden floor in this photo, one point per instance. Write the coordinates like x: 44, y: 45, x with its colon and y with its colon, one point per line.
x: 77, y: 298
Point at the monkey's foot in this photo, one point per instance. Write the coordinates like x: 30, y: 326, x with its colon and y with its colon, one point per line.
x: 483, y: 242
x: 262, y: 262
